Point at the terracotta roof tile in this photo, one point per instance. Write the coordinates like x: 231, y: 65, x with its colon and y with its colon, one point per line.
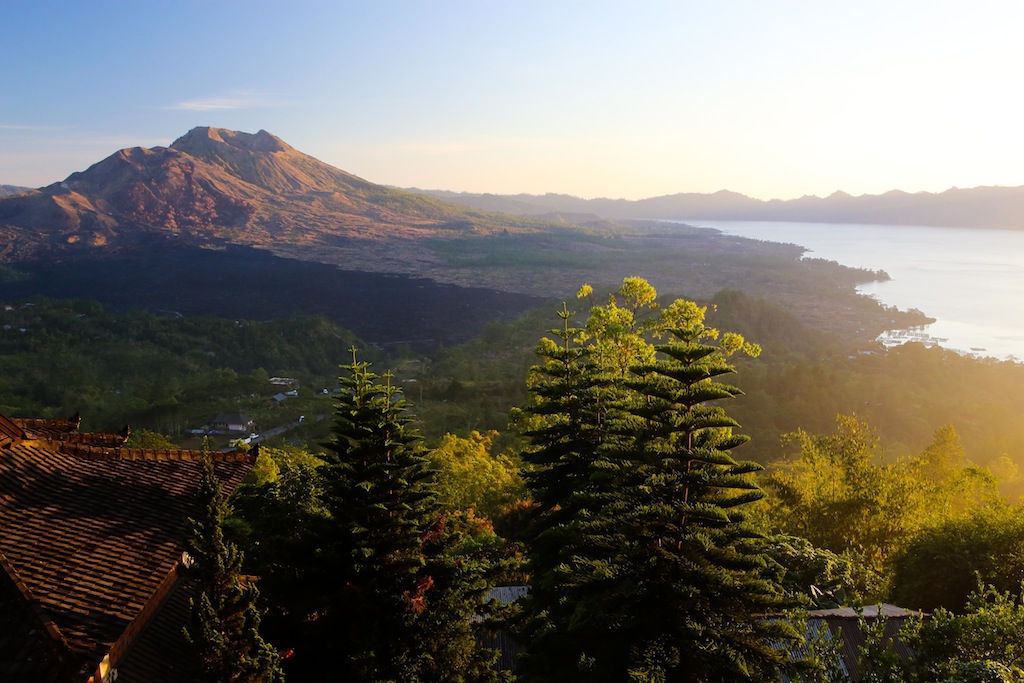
x: 90, y: 533
x: 161, y: 654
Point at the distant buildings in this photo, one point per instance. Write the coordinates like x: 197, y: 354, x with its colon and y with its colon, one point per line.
x: 233, y: 423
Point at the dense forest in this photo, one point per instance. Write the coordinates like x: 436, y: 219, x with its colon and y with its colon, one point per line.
x: 869, y: 475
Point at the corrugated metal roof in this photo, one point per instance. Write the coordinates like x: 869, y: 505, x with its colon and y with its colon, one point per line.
x: 869, y: 612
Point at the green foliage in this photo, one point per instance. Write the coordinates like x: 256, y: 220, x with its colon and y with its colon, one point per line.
x: 463, y: 556
x: 643, y: 565
x: 905, y: 393
x: 840, y: 495
x: 159, y: 373
x: 982, y: 643
x: 378, y: 494
x: 870, y: 652
x: 802, y: 379
x: 472, y: 477
x: 985, y: 671
x: 943, y: 564
x: 280, y: 520
x: 829, y: 579
x: 225, y: 620
x: 376, y: 582
x: 876, y: 656
x: 146, y: 438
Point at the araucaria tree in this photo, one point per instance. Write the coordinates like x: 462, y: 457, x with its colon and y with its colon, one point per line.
x: 643, y: 566
x: 225, y: 619
x: 402, y: 598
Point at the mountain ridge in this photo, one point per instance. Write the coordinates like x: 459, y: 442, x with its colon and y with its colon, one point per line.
x: 214, y: 186
x: 979, y: 207
x: 219, y: 190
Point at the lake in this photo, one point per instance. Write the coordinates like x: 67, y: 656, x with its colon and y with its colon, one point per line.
x: 970, y: 280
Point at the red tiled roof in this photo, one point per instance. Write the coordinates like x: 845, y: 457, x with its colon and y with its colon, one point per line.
x: 90, y: 538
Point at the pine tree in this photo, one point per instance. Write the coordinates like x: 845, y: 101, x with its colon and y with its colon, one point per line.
x: 578, y: 401
x: 657, y: 577
x: 401, y: 603
x: 225, y: 620
x: 698, y: 594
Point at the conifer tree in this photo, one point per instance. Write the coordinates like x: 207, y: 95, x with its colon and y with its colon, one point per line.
x: 401, y: 601
x: 575, y: 403
x: 225, y: 619
x: 642, y: 566
x: 697, y: 595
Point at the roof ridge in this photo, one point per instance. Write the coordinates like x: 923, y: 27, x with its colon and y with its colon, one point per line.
x: 113, y: 439
x: 48, y: 626
x: 9, y: 427
x: 59, y: 424
x: 107, y: 452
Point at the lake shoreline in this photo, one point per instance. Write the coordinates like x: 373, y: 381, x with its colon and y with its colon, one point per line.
x: 970, y: 281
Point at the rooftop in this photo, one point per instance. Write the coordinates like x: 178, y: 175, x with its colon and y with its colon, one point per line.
x: 91, y: 537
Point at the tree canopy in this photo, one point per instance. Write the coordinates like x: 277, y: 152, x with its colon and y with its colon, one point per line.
x: 644, y: 566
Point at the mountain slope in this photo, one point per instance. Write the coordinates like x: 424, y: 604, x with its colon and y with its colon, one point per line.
x: 214, y: 186
x: 114, y: 230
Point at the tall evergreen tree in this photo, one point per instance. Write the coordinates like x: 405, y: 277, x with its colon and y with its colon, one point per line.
x: 576, y: 392
x: 401, y: 603
x: 225, y: 619
x: 653, y: 574
x: 697, y: 591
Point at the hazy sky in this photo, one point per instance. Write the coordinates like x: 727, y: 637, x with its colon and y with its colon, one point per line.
x: 613, y: 99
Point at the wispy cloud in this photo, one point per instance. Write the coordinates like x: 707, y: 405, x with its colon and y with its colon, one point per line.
x: 234, y: 100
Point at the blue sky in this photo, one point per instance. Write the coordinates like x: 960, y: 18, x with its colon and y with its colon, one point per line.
x: 769, y: 98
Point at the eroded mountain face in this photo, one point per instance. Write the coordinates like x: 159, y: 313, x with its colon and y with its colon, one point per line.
x: 215, y: 186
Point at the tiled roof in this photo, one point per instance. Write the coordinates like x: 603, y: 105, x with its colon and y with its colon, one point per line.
x: 161, y: 654
x: 90, y: 539
x: 31, y: 647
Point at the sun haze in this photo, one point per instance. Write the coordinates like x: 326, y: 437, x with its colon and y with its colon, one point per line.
x: 772, y: 99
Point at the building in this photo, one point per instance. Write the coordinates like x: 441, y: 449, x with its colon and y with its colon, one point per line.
x: 844, y: 626
x: 91, y: 550
x: 847, y: 625
x: 233, y: 424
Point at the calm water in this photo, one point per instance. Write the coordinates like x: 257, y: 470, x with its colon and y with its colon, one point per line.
x: 970, y: 280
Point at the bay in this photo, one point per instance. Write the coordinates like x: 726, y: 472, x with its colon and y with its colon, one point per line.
x: 971, y: 280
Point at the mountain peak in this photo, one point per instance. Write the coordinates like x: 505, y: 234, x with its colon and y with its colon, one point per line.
x: 205, y: 139
x: 214, y: 185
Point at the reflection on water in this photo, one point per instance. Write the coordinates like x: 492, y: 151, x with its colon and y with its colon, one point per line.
x: 970, y: 279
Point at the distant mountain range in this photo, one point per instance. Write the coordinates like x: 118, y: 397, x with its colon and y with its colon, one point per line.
x: 217, y: 187
x: 980, y: 207
x: 12, y: 189
x: 240, y: 224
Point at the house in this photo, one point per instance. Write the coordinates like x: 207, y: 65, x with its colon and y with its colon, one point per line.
x: 91, y: 550
x: 507, y: 647
x: 847, y: 625
x: 843, y: 624
x: 233, y: 424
